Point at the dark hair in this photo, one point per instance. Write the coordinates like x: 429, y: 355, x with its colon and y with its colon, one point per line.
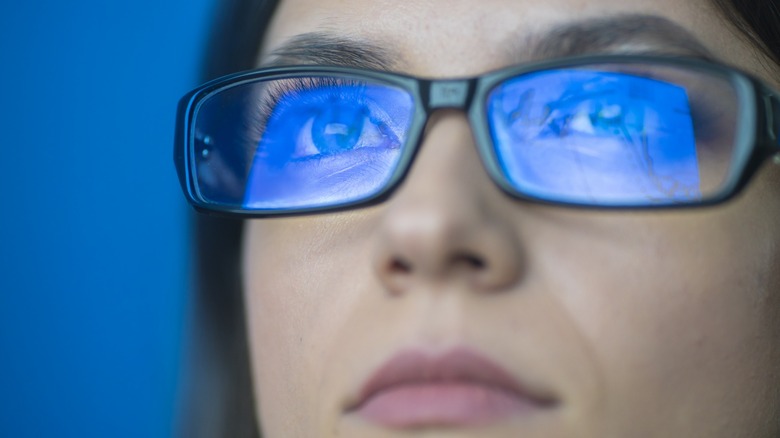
x: 758, y: 21
x: 217, y: 399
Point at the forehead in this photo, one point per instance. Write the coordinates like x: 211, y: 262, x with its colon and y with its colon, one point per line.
x: 446, y: 38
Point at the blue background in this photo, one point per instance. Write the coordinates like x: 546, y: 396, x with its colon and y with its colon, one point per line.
x: 94, y: 240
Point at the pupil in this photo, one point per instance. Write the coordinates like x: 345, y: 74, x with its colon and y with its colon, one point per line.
x: 337, y: 129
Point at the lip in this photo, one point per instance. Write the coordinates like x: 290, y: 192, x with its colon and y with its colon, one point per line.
x: 458, y: 388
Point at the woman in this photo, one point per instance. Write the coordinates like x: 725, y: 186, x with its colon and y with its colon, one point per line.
x: 456, y: 286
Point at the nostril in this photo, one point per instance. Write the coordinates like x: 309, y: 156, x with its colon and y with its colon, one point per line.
x: 400, y: 267
x: 469, y: 260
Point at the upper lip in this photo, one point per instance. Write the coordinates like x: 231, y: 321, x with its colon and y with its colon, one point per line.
x: 413, y: 366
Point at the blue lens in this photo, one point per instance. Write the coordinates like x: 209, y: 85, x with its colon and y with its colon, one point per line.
x: 620, y: 134
x: 300, y: 143
x: 596, y: 137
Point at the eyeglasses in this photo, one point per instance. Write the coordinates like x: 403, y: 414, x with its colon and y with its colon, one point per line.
x: 604, y: 132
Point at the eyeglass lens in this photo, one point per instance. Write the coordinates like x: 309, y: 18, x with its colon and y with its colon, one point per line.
x: 301, y: 142
x: 600, y: 135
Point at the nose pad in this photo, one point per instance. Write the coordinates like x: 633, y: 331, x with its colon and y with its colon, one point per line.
x: 448, y: 222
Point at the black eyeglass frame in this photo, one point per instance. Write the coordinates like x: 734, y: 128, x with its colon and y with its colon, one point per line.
x: 757, y: 137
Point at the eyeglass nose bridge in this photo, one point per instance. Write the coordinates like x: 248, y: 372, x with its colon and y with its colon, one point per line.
x: 449, y: 93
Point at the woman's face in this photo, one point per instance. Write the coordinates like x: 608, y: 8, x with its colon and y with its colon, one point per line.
x: 488, y: 316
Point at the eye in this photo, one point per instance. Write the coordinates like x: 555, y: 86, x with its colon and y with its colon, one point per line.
x: 340, y: 127
x: 322, y: 121
x: 592, y: 110
x: 593, y: 118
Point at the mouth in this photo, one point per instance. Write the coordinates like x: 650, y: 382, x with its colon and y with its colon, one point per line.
x: 459, y: 388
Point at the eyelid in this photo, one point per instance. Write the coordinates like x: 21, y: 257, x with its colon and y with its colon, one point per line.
x: 362, y: 96
x: 306, y: 98
x: 264, y: 102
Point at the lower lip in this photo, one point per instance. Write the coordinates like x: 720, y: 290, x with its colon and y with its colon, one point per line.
x: 444, y: 404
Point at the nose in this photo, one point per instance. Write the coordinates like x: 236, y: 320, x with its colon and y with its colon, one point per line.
x: 448, y: 223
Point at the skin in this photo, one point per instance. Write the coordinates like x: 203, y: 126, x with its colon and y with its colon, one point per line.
x: 642, y: 324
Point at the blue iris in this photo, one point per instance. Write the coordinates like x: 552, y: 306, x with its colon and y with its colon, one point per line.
x: 337, y: 128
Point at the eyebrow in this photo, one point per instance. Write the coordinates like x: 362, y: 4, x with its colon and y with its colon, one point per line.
x: 619, y: 34
x: 622, y: 34
x: 324, y: 48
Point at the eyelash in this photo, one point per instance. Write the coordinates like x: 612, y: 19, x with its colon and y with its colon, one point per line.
x: 261, y: 108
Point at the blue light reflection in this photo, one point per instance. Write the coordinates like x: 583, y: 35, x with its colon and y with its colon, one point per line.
x: 326, y: 143
x: 590, y: 136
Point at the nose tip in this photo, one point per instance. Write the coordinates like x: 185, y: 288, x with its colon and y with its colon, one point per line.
x: 432, y: 245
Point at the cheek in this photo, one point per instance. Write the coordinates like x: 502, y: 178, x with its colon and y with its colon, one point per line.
x: 676, y: 307
x: 296, y: 299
